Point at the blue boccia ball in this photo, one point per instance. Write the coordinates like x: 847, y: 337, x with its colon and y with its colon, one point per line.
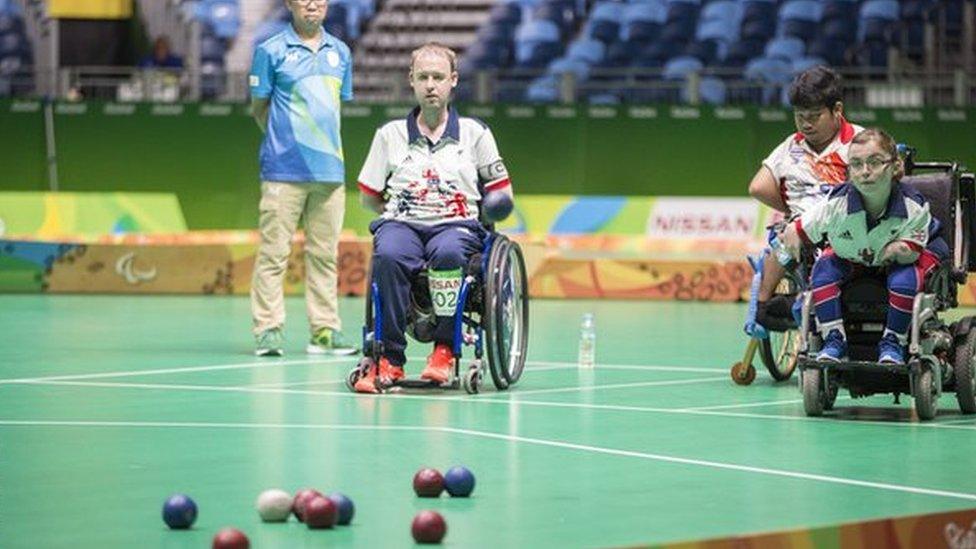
x: 179, y: 512
x: 345, y: 508
x: 459, y: 481
x: 497, y: 205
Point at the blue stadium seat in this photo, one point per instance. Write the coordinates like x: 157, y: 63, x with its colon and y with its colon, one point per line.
x: 680, y: 30
x: 223, y: 16
x: 544, y: 89
x: 786, y: 48
x: 680, y: 10
x: 759, y: 10
x: 801, y: 64
x: 724, y: 30
x: 804, y: 10
x: 843, y: 30
x: 536, y: 55
x: 504, y: 12
x: 563, y: 14
x: 833, y: 51
x: 577, y: 67
x: 589, y: 50
x: 756, y: 30
x: 880, y: 9
x: 739, y: 53
x: 605, y: 20
x: 721, y: 10
x: 711, y: 91
x: 654, y: 55
x: 839, y: 9
x: 643, y: 22
x: 621, y: 53
x: 707, y: 51
x: 770, y: 75
x: 680, y: 67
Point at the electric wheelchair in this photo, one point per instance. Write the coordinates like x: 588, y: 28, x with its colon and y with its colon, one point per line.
x: 940, y: 356
x: 491, y: 315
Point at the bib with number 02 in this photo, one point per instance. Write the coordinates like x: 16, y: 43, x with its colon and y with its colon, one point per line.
x: 444, y: 288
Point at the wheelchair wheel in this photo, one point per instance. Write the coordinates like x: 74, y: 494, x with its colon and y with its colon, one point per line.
x: 962, y: 369
x: 815, y: 398
x: 778, y: 353
x: 506, y: 318
x: 926, y: 399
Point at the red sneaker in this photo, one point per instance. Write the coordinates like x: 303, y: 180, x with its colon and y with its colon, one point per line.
x: 388, y: 374
x: 439, y: 364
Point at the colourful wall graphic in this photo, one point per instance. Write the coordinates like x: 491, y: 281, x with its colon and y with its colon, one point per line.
x: 79, y: 215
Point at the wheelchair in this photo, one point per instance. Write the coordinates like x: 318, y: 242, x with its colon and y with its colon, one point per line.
x: 940, y: 356
x: 775, y: 338
x: 491, y: 314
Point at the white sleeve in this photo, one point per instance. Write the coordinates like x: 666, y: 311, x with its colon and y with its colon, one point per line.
x: 492, y: 172
x: 375, y: 171
x: 776, y: 159
x: 813, y: 224
x: 915, y: 231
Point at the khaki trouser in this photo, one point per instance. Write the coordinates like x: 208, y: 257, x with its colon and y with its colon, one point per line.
x: 282, y: 205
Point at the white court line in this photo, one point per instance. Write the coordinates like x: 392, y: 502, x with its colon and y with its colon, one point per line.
x: 544, y: 365
x: 341, y: 381
x: 587, y: 388
x: 501, y: 401
x: 128, y: 373
x: 648, y: 367
x: 752, y: 404
x: 525, y: 440
x: 281, y: 385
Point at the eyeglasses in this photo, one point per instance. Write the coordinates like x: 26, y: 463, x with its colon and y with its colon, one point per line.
x: 308, y: 3
x: 873, y: 163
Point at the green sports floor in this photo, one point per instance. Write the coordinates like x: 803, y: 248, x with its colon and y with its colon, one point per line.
x: 110, y: 404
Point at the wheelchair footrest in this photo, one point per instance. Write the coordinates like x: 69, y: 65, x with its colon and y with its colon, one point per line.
x: 855, y: 366
x: 418, y: 383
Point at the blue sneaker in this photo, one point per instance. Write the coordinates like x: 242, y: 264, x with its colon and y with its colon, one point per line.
x: 834, y: 348
x: 890, y: 351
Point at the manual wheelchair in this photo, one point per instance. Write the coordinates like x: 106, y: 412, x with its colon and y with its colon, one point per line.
x: 491, y: 314
x: 775, y: 336
x: 940, y: 356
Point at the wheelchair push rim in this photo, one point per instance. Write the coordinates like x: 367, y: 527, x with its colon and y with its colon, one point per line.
x: 506, y: 319
x: 779, y: 353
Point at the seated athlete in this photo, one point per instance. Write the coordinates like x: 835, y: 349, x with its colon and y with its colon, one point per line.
x: 808, y: 163
x: 425, y: 175
x: 871, y: 222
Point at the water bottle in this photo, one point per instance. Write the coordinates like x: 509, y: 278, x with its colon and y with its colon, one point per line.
x: 587, y: 342
x: 782, y: 255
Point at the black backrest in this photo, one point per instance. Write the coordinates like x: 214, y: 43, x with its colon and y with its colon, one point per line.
x: 941, y: 192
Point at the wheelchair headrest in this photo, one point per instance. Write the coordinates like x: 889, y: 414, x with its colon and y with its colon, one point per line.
x: 939, y: 189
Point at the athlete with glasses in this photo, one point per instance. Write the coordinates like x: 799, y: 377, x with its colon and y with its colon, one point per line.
x: 871, y: 222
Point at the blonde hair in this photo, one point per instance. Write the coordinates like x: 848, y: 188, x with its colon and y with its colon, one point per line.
x: 886, y: 143
x: 434, y: 48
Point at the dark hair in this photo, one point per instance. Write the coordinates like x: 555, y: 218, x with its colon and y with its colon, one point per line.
x: 814, y: 88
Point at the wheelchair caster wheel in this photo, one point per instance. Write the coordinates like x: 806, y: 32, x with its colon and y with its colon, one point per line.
x: 471, y: 381
x: 743, y: 374
x: 358, y: 372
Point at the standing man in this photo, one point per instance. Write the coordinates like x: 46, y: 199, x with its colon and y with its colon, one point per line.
x: 297, y: 81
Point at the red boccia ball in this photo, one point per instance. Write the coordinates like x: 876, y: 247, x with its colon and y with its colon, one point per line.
x: 428, y: 527
x: 428, y: 483
x: 230, y: 538
x: 320, y: 512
